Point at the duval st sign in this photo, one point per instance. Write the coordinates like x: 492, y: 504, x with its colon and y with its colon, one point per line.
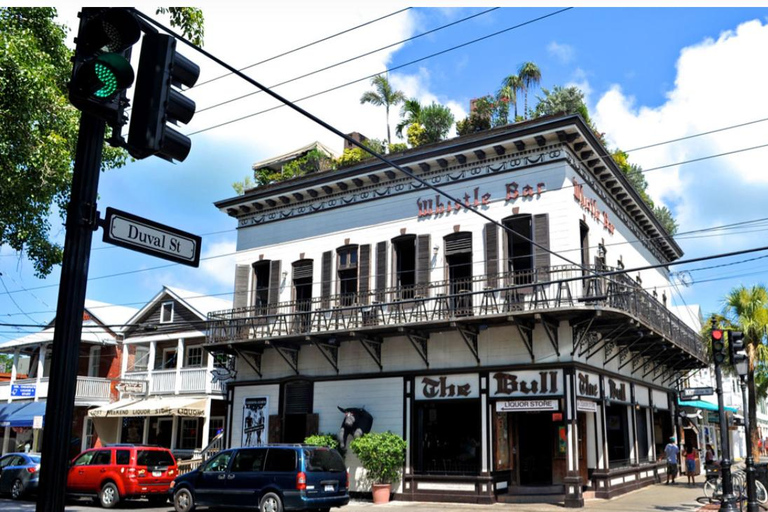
x: 147, y: 236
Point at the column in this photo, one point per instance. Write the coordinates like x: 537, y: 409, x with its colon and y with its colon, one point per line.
x: 123, y: 357
x: 14, y: 368
x: 174, y: 430
x: 573, y: 483
x: 151, y: 364
x: 209, y: 368
x: 40, y: 367
x: 179, y: 361
x: 206, y: 424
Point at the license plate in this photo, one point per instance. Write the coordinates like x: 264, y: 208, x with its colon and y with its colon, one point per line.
x: 157, y: 473
x: 328, y: 488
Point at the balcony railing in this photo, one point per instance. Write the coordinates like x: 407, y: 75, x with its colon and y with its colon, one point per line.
x: 539, y: 290
x: 88, y: 388
x: 192, y: 380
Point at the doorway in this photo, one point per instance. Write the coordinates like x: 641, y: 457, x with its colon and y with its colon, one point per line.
x: 534, y: 431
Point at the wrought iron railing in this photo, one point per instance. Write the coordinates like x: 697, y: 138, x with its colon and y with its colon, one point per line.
x: 542, y: 289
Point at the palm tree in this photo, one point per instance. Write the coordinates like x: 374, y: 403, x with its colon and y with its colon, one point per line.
x: 747, y: 310
x: 530, y: 75
x: 510, y: 86
x: 383, y: 95
x: 410, y: 113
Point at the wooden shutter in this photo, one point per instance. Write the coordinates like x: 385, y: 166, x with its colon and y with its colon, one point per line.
x: 364, y: 274
x: 302, y: 270
x: 381, y: 271
x: 492, y: 254
x: 541, y: 255
x: 584, y: 231
x: 459, y: 243
x: 275, y: 428
x: 298, y: 397
x: 242, y: 276
x: 325, y: 280
x: 423, y: 264
x: 273, y: 296
x: 313, y: 425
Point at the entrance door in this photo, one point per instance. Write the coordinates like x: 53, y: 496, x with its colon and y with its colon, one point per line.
x: 534, y: 434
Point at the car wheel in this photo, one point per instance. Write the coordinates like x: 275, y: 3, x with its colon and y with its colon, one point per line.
x: 17, y: 490
x: 183, y: 501
x: 109, y: 495
x: 270, y: 502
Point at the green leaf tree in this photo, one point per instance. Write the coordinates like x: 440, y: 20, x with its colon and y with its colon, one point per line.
x: 746, y: 309
x: 382, y: 455
x: 383, y: 95
x: 510, y: 86
x: 410, y: 113
x: 38, y: 132
x: 568, y: 100
x: 434, y: 123
x: 530, y: 76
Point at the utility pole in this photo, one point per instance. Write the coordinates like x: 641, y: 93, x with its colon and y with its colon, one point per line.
x: 82, y: 220
x: 752, y: 505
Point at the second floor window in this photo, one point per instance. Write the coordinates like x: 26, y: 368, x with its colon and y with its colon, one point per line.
x: 141, y: 359
x: 166, y: 312
x: 94, y: 361
x: 169, y: 359
x: 405, y: 265
x: 347, y: 272
x: 194, y: 357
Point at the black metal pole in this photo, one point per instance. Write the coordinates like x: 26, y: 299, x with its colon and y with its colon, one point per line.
x: 752, y: 505
x: 729, y: 500
x: 82, y: 219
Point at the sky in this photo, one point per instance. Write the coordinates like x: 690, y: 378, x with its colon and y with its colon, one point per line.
x: 650, y: 75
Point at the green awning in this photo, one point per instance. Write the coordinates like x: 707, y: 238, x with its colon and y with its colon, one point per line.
x: 701, y: 404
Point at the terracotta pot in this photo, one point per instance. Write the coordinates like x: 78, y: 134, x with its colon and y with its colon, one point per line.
x: 380, y: 493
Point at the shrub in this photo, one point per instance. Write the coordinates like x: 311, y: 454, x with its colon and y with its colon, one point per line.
x: 327, y: 440
x: 382, y: 454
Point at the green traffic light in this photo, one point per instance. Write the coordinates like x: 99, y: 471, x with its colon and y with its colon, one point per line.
x: 106, y: 77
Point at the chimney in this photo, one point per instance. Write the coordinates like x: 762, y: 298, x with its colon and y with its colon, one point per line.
x: 359, y: 137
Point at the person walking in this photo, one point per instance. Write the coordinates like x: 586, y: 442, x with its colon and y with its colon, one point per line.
x: 672, y: 451
x: 690, y: 464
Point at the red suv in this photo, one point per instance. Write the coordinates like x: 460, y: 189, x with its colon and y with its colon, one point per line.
x: 122, y: 471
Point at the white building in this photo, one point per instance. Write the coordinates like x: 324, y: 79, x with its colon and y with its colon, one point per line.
x: 497, y: 354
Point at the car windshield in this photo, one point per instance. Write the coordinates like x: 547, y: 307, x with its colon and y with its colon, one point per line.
x: 154, y: 458
x: 323, y: 459
x: 34, y: 459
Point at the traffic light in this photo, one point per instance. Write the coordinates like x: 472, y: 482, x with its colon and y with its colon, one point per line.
x: 718, y: 346
x: 102, y: 70
x: 738, y: 352
x: 157, y: 101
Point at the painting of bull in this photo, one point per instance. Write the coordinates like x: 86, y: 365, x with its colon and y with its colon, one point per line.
x: 357, y: 421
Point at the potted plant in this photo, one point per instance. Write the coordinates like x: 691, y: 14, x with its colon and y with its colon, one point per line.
x: 382, y: 454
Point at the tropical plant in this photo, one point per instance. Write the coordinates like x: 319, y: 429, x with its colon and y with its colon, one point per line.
x: 382, y: 454
x: 530, y: 75
x: 383, y: 95
x: 435, y: 121
x: 746, y: 309
x: 351, y: 156
x: 313, y: 161
x: 568, y: 100
x: 38, y: 131
x: 410, y: 113
x: 510, y: 86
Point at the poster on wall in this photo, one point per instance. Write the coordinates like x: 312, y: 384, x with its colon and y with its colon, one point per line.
x: 255, y: 421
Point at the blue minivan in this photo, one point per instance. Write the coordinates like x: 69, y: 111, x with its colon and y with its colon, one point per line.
x: 274, y: 477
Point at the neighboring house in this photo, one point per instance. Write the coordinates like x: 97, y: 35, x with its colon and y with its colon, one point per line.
x: 24, y: 394
x: 168, y: 394
x: 500, y: 357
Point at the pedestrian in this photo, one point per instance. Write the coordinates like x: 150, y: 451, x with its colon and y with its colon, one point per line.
x: 672, y: 451
x: 690, y: 464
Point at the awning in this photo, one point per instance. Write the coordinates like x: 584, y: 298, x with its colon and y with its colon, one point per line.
x: 701, y: 404
x: 176, y: 406
x: 21, y: 414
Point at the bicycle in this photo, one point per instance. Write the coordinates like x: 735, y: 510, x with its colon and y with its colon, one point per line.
x: 713, y: 488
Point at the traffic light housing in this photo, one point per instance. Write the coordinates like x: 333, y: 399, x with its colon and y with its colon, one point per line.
x: 157, y: 100
x: 738, y: 352
x: 102, y: 70
x: 718, y: 346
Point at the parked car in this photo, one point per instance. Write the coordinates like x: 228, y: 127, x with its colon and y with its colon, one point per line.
x: 274, y: 477
x: 19, y: 474
x: 123, y: 471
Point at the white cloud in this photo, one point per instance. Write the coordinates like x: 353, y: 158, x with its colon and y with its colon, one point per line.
x: 563, y: 52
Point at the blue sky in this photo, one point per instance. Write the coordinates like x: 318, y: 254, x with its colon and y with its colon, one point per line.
x: 650, y: 75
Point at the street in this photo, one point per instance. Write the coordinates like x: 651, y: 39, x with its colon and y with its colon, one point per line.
x: 678, y: 498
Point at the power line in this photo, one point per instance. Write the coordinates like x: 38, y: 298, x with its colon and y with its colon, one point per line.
x: 306, y: 46
x: 347, y: 61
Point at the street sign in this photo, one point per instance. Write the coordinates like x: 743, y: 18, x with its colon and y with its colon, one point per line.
x: 690, y: 393
x: 37, y: 422
x: 147, y: 236
x: 23, y: 390
x: 133, y: 387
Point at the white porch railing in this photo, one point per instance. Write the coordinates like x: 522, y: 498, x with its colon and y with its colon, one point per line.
x: 92, y: 387
x: 163, y: 381
x: 193, y: 380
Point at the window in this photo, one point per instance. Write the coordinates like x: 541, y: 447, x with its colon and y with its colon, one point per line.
x: 166, y: 312
x: 404, y: 248
x: 194, y: 356
x: 90, y: 433
x: 280, y: 459
x: 347, y: 273
x: 141, y: 359
x: 82, y: 460
x: 101, y: 458
x: 188, y: 435
x: 324, y: 459
x: 122, y: 457
x: 261, y: 286
x: 169, y: 359
x: 94, y: 361
x: 133, y: 431
x: 458, y: 257
x: 219, y: 462
x: 215, y: 425
x: 249, y: 460
x: 154, y: 458
x: 519, y: 248
x: 450, y: 435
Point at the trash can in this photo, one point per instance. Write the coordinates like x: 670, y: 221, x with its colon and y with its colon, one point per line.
x: 761, y: 472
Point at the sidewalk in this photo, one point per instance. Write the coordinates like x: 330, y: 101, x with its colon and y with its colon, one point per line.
x: 659, y: 497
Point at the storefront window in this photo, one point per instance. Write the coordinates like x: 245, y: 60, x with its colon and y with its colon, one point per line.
x: 133, y: 431
x: 643, y: 447
x: 448, y: 434
x: 617, y: 432
x: 188, y: 437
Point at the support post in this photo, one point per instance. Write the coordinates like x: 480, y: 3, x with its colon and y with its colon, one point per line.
x: 752, y: 505
x: 728, y: 503
x: 82, y: 219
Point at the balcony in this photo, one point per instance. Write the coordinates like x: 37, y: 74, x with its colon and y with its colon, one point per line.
x: 614, y: 307
x: 89, y: 390
x: 163, y: 382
